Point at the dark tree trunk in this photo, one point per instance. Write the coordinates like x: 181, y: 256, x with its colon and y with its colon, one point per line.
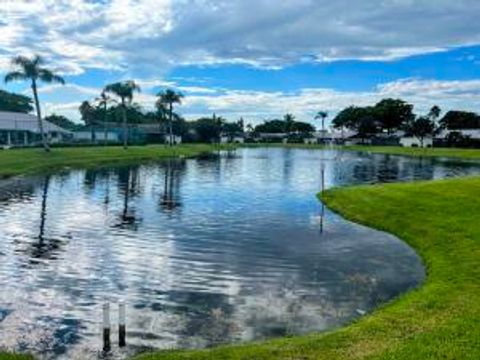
x: 105, y: 123
x: 125, y: 130
x: 45, y: 145
x: 170, y: 121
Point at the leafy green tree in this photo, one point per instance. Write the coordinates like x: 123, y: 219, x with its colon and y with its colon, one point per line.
x: 434, y: 113
x: 15, y: 102
x: 366, y: 126
x: 421, y: 128
x: 322, y: 115
x: 207, y: 129
x: 302, y: 127
x: 31, y: 69
x: 272, y: 126
x: 347, y: 118
x: 393, y: 114
x: 231, y: 129
x: 459, y: 120
x: 360, y: 119
x: 62, y: 121
x: 168, y: 98
x: 124, y: 91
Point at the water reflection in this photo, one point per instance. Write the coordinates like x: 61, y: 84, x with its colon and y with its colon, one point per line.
x: 203, y: 251
x: 171, y: 189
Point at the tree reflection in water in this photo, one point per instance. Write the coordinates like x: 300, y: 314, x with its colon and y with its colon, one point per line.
x: 171, y: 187
x: 45, y: 247
x: 128, y: 185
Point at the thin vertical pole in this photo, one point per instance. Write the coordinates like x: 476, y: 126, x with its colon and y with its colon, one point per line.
x: 106, y: 327
x: 121, y: 324
x: 322, y: 213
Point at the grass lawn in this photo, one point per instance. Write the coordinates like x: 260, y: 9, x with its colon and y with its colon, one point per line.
x: 440, y: 320
x: 6, y: 356
x: 28, y: 161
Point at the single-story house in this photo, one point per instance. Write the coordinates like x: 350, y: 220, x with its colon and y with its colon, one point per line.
x: 330, y: 137
x: 272, y: 137
x: 85, y: 135
x: 235, y: 139
x: 19, y: 129
x: 176, y: 139
x: 411, y: 141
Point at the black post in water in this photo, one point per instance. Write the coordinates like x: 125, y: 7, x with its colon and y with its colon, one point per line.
x: 106, y: 327
x: 121, y: 325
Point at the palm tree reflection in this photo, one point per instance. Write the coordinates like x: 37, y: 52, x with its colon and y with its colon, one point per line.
x: 45, y: 247
x: 128, y: 183
x: 170, y: 196
x: 322, y: 209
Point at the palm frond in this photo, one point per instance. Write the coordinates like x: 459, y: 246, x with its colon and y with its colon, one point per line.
x: 15, y: 75
x: 48, y: 76
x: 21, y: 61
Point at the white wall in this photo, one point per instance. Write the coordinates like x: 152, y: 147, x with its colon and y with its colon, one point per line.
x: 99, y: 136
x: 414, y: 142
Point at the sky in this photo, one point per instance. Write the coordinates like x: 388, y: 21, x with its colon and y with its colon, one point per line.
x: 256, y: 59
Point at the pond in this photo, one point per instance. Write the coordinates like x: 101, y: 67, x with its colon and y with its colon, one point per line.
x: 228, y: 248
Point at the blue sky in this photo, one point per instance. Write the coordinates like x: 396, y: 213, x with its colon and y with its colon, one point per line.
x: 256, y: 59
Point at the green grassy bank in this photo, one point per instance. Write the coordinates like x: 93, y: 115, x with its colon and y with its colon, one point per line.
x: 28, y: 161
x: 438, y: 321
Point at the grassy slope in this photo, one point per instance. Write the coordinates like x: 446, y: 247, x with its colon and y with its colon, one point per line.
x: 28, y: 161
x: 439, y: 320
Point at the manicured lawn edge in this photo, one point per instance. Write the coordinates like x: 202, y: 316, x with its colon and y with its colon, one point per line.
x: 438, y: 321
x: 30, y: 161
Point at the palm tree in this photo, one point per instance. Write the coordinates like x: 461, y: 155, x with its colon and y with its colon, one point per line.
x: 162, y: 112
x: 103, y: 100
x: 322, y: 115
x: 31, y: 69
x: 288, y: 119
x: 124, y: 90
x: 168, y: 98
x: 88, y: 116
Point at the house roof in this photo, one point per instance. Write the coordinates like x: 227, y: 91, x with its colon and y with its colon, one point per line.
x: 26, y: 122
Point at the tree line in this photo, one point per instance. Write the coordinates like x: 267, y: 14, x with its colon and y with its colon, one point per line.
x: 391, y: 115
x: 115, y: 105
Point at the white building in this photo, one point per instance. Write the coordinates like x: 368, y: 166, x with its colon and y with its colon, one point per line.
x: 410, y: 141
x: 19, y: 129
x: 237, y: 139
x: 99, y: 135
x: 176, y: 139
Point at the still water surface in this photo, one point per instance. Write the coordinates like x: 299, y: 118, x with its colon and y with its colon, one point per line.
x: 203, y: 251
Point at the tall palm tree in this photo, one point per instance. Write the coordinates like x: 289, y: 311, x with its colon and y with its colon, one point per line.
x: 289, y: 120
x: 162, y: 113
x: 32, y: 69
x: 88, y: 116
x: 103, y: 100
x: 168, y: 98
x: 124, y: 90
x: 322, y: 115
